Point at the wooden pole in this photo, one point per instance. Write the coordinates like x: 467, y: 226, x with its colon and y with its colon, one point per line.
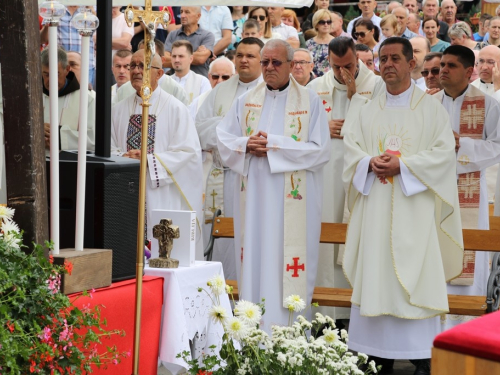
x: 23, y: 118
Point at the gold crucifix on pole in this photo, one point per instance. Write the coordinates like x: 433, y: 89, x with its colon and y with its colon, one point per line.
x: 149, y: 19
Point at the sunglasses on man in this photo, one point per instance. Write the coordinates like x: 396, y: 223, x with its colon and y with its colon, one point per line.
x: 433, y: 71
x: 216, y: 77
x: 261, y: 18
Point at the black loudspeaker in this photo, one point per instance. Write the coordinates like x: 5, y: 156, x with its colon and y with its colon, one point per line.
x: 111, y: 204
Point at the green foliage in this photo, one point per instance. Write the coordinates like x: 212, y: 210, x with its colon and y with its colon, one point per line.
x: 351, y: 14
x: 40, y: 329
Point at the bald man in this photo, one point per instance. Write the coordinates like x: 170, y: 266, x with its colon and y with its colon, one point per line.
x: 488, y: 66
x: 402, y: 14
x: 172, y: 143
x: 421, y: 47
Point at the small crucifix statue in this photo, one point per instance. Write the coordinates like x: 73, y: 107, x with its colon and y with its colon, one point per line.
x: 165, y: 233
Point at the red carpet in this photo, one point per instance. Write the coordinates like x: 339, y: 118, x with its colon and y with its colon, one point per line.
x: 119, y: 310
x: 479, y: 338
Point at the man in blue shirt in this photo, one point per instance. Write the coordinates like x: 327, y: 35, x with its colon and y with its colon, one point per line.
x: 201, y: 39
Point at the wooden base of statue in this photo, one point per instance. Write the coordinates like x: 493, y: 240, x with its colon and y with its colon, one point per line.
x: 163, y: 263
x: 91, y: 269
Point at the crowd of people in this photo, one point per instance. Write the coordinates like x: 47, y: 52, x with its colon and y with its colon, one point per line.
x: 282, y: 123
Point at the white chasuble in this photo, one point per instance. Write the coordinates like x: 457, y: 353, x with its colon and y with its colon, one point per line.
x: 219, y: 181
x: 474, y: 155
x: 69, y: 117
x: 172, y: 143
x: 193, y: 84
x: 404, y: 239
x: 333, y: 95
x: 263, y: 268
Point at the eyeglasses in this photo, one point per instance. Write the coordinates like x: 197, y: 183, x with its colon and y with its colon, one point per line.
x: 216, y: 77
x: 487, y: 62
x: 261, y: 18
x: 275, y: 63
x: 140, y: 66
x: 433, y: 71
x: 361, y: 34
x: 301, y: 62
x: 323, y: 22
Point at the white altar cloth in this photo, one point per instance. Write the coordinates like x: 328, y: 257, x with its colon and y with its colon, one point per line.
x: 185, y: 312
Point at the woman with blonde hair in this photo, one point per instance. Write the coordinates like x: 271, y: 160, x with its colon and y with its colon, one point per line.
x: 289, y: 17
x: 322, y: 23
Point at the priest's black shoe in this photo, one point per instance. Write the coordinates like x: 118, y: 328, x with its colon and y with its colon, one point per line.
x: 423, y: 366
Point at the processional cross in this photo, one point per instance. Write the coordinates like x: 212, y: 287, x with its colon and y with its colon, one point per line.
x: 149, y: 19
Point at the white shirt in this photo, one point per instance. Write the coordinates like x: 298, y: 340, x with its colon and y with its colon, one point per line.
x: 375, y: 19
x: 286, y: 31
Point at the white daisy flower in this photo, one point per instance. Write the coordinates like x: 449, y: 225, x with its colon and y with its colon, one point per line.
x: 236, y: 329
x: 218, y: 314
x: 295, y: 303
x: 6, y: 213
x: 10, y: 233
x: 217, y: 284
x: 248, y: 312
x: 331, y: 336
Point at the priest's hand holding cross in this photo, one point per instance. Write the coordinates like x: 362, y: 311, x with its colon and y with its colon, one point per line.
x: 256, y: 144
x: 385, y: 165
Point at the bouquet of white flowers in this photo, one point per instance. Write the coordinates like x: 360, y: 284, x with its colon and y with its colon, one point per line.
x: 302, y: 347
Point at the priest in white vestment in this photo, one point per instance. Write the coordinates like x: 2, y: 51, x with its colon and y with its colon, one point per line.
x: 68, y: 105
x: 335, y: 93
x: 475, y: 120
x: 276, y: 138
x: 489, y: 83
x: 404, y: 239
x: 174, y: 153
x: 220, y: 181
x: 219, y: 70
x: 193, y: 84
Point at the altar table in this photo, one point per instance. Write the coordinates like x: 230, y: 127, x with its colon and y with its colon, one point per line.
x: 185, y: 311
x: 471, y: 348
x: 118, y: 308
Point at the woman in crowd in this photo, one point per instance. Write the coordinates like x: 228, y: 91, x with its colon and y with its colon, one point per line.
x: 289, y: 17
x: 239, y: 15
x: 261, y: 15
x: 430, y: 26
x: 322, y: 23
x: 318, y: 4
x: 461, y: 34
x: 365, y: 32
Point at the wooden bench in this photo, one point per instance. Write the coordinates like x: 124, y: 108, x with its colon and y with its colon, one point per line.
x: 478, y: 240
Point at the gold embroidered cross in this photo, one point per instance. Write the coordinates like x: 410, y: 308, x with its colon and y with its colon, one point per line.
x: 239, y: 150
x: 213, y: 208
x: 275, y: 147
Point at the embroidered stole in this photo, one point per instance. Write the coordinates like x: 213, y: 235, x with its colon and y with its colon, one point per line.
x: 296, y: 126
x: 214, y: 198
x: 192, y: 86
x: 472, y: 115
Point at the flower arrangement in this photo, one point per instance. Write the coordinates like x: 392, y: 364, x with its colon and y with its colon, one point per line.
x: 302, y: 347
x: 40, y: 329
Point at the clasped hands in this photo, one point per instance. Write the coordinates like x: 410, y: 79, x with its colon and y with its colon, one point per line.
x: 256, y: 144
x: 385, y: 165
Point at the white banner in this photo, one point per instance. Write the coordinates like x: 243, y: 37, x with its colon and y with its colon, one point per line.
x: 283, y: 3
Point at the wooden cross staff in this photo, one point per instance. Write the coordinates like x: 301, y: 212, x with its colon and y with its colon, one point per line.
x: 149, y: 19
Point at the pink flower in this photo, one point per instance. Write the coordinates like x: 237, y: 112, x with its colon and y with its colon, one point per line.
x: 115, y: 362
x: 47, y: 333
